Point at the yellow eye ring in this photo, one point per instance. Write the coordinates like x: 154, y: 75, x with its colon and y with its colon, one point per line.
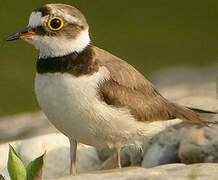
x: 55, y: 23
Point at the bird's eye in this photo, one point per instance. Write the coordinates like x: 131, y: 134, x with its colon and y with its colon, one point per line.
x: 55, y: 23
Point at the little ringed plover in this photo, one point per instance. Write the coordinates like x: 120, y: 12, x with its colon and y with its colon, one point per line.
x: 87, y: 93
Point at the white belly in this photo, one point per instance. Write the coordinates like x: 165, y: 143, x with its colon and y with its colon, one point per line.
x: 72, y: 105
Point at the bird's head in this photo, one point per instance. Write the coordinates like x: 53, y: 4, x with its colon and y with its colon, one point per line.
x: 55, y: 30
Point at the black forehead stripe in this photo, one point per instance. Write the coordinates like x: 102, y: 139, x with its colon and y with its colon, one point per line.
x: 44, y: 10
x: 40, y: 30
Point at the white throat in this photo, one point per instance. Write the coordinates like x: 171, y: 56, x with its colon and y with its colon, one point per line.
x: 60, y: 46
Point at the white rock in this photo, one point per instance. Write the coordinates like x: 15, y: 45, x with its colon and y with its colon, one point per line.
x: 24, y: 125
x: 164, y: 172
x: 193, y: 87
x: 57, y: 158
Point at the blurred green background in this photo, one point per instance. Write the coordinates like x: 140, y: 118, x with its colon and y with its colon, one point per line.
x: 150, y: 34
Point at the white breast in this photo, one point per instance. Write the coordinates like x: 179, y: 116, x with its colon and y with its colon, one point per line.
x: 73, y: 106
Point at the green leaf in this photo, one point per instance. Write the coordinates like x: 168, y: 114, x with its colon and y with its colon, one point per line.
x: 16, y: 167
x: 34, y: 168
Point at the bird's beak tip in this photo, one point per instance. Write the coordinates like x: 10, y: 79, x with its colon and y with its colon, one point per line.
x: 25, y: 33
x: 12, y: 38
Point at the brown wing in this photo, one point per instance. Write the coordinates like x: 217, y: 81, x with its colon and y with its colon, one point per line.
x: 128, y: 88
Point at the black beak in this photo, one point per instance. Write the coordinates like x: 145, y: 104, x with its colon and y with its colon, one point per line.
x: 23, y: 34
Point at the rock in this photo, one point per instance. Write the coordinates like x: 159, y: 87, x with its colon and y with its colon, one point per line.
x: 163, y: 147
x: 160, y: 154
x: 180, y: 143
x: 209, y: 104
x: 200, y: 146
x: 57, y: 158
x: 169, y: 146
x: 186, y: 144
x: 24, y: 126
x: 166, y: 172
x: 193, y: 87
x: 131, y: 155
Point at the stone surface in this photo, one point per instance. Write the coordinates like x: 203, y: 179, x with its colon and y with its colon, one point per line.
x: 186, y: 144
x: 194, y: 87
x: 131, y: 155
x: 158, y: 154
x: 200, y: 146
x: 165, y: 172
x: 163, y: 147
x: 57, y: 159
x: 24, y: 126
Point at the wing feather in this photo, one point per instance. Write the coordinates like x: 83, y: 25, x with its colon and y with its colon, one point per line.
x: 129, y: 88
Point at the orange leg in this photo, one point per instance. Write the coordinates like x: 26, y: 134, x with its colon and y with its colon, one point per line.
x: 119, y: 165
x: 73, y: 148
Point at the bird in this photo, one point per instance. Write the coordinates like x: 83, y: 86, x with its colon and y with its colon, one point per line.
x: 89, y: 94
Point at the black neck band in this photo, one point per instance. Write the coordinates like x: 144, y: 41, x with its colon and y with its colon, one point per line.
x: 74, y: 63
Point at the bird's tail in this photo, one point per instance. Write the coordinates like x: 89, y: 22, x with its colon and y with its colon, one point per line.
x: 188, y: 115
